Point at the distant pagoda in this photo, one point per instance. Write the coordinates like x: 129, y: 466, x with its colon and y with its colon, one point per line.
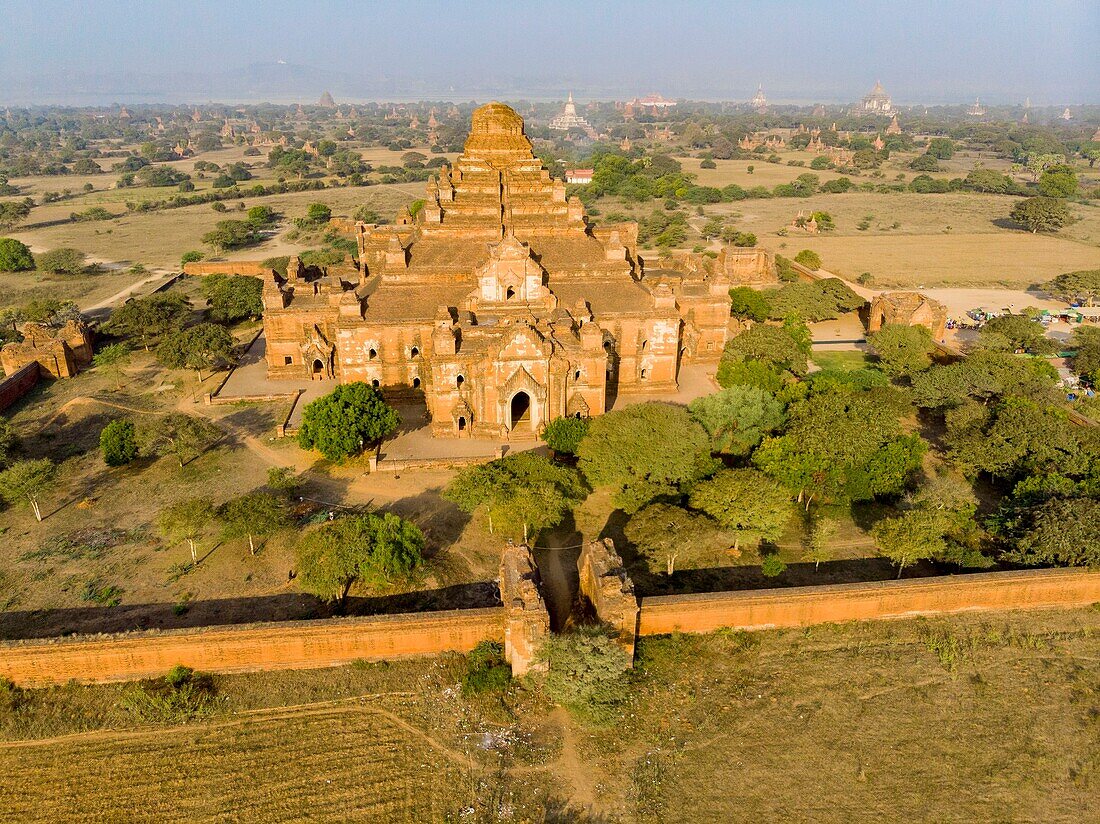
x: 894, y: 127
x: 326, y: 101
x: 877, y: 102
x: 569, y: 119
x: 759, y: 101
x: 977, y: 110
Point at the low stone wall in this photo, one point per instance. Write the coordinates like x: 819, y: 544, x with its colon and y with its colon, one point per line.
x: 18, y: 384
x: 242, y: 267
x: 607, y: 587
x: 275, y: 646
x: 805, y: 606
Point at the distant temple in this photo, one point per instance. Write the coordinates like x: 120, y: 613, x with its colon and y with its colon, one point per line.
x: 877, y: 102
x: 326, y: 101
x: 569, y: 119
x: 498, y: 304
x: 894, y: 127
x: 977, y: 110
x: 759, y: 101
x: 1066, y: 115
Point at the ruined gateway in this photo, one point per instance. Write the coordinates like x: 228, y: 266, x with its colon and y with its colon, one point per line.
x: 499, y: 303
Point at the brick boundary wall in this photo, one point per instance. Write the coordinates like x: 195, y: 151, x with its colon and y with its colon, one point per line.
x: 274, y: 646
x: 242, y: 267
x: 805, y: 606
x: 18, y: 384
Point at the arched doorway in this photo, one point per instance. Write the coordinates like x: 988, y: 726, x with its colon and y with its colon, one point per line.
x: 318, y: 369
x: 520, y: 410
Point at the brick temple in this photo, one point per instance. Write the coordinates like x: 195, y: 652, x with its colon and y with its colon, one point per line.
x: 499, y: 302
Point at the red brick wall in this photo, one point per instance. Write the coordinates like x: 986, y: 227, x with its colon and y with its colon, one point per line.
x: 18, y: 384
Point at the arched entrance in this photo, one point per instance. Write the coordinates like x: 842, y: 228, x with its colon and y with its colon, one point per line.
x: 318, y: 369
x: 520, y: 411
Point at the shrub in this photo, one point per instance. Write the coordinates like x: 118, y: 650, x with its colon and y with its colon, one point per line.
x: 118, y: 443
x: 193, y: 256
x: 180, y: 696
x: 564, y: 435
x: 63, y: 261
x: 587, y: 672
x: 772, y: 566
x: 808, y: 258
x: 486, y: 670
x: 318, y: 213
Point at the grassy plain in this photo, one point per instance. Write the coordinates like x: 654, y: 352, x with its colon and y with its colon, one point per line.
x: 965, y: 718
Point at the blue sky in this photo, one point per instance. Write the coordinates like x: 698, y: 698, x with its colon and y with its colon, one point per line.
x: 798, y: 49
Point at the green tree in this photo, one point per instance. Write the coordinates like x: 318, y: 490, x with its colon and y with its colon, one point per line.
x: 749, y: 304
x: 318, y: 213
x: 843, y: 444
x: 942, y: 148
x: 347, y: 420
x: 1058, y: 181
x: 183, y: 436
x: 151, y: 318
x: 194, y: 256
x: 1041, y: 214
x: 230, y: 234
x: 1076, y: 287
x: 808, y: 258
x: 1016, y: 332
x: 823, y: 532
x: 914, y: 536
x: 261, y: 216
x: 374, y: 550
x: 188, y: 521
x: 15, y: 256
x: 984, y: 377
x: 665, y: 535
x: 746, y: 501
x: 738, y: 418
x: 924, y: 163
x: 252, y: 516
x: 779, y: 347
x: 13, y: 212
x: 901, y: 350
x: 644, y: 451
x: 1086, y: 362
x: 118, y: 442
x: 28, y: 481
x: 524, y: 493
x: 1060, y: 532
x: 283, y: 480
x: 202, y: 346
x: 233, y: 297
x: 586, y: 672
x: 564, y: 435
x: 63, y: 261
x: 111, y: 359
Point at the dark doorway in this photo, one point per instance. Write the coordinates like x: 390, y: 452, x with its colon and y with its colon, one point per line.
x: 318, y: 368
x: 521, y: 409
x: 461, y: 424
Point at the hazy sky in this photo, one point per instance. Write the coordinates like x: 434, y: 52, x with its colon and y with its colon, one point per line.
x: 800, y: 50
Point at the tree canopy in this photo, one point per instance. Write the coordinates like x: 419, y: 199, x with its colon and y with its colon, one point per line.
x: 250, y: 516
x: 188, y: 521
x: 522, y: 493
x: 374, y: 550
x: 644, y: 451
x: 1076, y: 287
x: 667, y: 535
x: 738, y: 418
x: 233, y: 297
x: 27, y: 481
x: 746, y: 501
x: 149, y: 319
x: 15, y: 256
x: 346, y: 421
x: 1041, y: 214
x: 202, y: 346
x: 564, y: 435
x: 902, y: 351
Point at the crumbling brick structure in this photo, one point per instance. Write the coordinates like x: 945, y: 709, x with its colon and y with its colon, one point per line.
x: 605, y: 584
x: 58, y: 351
x: 907, y: 309
x: 527, y: 621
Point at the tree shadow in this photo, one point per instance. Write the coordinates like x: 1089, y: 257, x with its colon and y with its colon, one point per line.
x: 440, y: 520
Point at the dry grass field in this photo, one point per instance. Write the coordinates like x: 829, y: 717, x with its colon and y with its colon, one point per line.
x: 968, y: 718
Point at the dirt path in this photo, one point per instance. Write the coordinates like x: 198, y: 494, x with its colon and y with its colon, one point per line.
x: 570, y: 765
x: 122, y: 295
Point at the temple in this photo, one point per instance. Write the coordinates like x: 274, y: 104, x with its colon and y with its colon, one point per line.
x: 569, y: 119
x: 876, y: 102
x: 498, y: 303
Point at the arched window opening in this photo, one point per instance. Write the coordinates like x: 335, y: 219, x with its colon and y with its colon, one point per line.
x: 577, y: 375
x: 375, y: 383
x: 461, y: 424
x: 645, y: 373
x: 415, y: 352
x: 318, y: 366
x: 645, y: 343
x: 459, y: 381
x: 511, y: 293
x: 607, y: 346
x: 416, y: 383
x: 372, y: 354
